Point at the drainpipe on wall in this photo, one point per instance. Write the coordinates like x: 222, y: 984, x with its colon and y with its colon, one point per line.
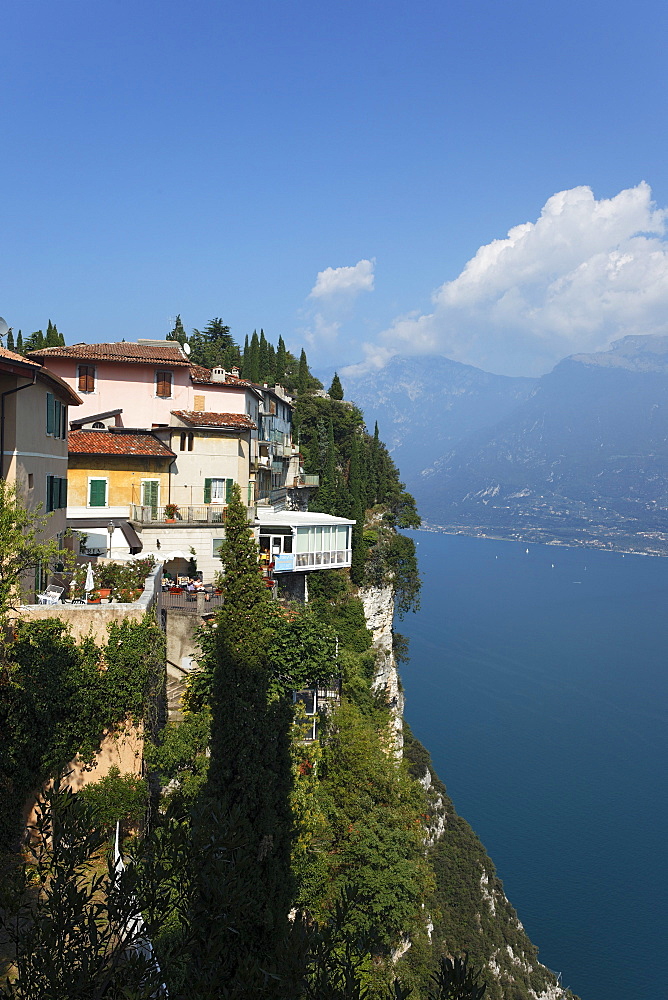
x: 8, y: 392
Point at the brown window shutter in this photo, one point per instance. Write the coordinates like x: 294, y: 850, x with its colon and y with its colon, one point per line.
x: 86, y: 378
x: 198, y: 403
x: 163, y: 384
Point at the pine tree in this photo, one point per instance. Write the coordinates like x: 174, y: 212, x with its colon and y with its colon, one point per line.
x: 336, y: 389
x: 178, y: 332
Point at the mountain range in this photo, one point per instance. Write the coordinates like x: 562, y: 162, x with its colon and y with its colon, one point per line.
x: 579, y: 456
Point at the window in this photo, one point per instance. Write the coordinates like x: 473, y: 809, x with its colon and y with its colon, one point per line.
x: 182, y: 443
x: 215, y: 547
x: 163, y: 384
x: 218, y: 490
x: 56, y: 493
x: 31, y: 481
x: 191, y: 438
x: 98, y: 426
x: 149, y: 494
x: 50, y: 413
x: 86, y: 374
x: 198, y: 404
x: 97, y: 492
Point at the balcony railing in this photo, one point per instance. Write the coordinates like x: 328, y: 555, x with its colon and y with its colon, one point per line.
x: 185, y: 515
x: 293, y: 562
x: 304, y: 480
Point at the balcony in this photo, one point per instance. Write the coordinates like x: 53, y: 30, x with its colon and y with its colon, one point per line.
x: 304, y: 480
x: 300, y: 561
x: 185, y: 515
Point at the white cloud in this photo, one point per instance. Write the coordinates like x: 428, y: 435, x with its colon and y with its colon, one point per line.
x: 348, y: 281
x: 585, y: 273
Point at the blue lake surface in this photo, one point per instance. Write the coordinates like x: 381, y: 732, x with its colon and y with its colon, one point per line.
x: 539, y: 683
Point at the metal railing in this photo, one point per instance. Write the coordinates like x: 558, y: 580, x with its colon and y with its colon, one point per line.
x: 186, y: 514
x: 304, y: 480
x: 186, y: 601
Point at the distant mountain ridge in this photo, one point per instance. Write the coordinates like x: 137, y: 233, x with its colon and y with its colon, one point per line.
x: 579, y: 456
x: 425, y: 405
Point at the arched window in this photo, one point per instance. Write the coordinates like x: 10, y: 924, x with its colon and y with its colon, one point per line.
x: 98, y: 426
x: 182, y: 445
x: 191, y: 438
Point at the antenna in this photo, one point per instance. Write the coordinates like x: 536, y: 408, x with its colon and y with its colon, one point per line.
x: 4, y: 328
x: 186, y: 348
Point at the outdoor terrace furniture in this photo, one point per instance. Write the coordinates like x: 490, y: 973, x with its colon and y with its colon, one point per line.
x: 50, y: 596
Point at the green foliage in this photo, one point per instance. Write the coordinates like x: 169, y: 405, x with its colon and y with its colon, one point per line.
x: 178, y: 756
x: 57, y: 698
x: 214, y: 346
x: 243, y: 586
x: 117, y: 798
x: 10, y: 340
x: 335, y: 390
x: 178, y: 332
x: 374, y: 845
x: 21, y: 546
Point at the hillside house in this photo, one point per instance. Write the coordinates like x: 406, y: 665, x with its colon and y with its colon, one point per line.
x: 34, y: 411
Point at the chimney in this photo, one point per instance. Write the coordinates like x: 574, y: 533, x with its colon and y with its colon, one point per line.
x: 218, y: 375
x: 234, y: 372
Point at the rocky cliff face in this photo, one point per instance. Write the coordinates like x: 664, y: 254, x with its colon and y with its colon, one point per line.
x: 378, y: 603
x: 471, y: 910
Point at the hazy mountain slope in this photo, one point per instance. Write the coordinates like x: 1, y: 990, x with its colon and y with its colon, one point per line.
x: 425, y: 405
x: 585, y: 457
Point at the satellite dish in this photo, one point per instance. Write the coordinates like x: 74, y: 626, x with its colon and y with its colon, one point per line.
x: 186, y: 348
x: 3, y: 327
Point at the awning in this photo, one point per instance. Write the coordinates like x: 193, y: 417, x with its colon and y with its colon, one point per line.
x: 131, y: 537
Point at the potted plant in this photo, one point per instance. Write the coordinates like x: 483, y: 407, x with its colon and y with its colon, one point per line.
x: 94, y: 597
x: 171, y: 510
x: 218, y: 581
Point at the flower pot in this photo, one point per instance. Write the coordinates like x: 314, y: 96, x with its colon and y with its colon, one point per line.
x: 170, y: 520
x: 94, y: 601
x: 105, y: 592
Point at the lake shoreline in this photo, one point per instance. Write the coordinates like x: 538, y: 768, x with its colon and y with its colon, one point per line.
x: 589, y: 544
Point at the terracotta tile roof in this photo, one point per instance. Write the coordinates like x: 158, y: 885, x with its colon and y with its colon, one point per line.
x: 11, y: 356
x: 203, y: 376
x: 200, y: 419
x: 117, y: 443
x: 167, y: 353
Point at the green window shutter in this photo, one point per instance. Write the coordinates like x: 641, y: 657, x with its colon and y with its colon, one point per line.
x: 49, y: 494
x: 62, y: 499
x: 50, y: 413
x: 56, y: 418
x: 63, y: 418
x: 98, y: 493
x: 207, y: 491
x: 228, y: 490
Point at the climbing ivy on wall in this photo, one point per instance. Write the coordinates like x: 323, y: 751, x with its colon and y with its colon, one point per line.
x: 57, y: 698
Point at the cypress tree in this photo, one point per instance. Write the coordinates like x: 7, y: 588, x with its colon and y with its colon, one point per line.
x: 281, y: 359
x: 10, y: 340
x: 303, y: 374
x: 336, y: 389
x: 19, y: 343
x: 250, y: 773
x: 357, y: 488
x: 252, y: 368
x: 178, y: 332
x: 263, y: 358
x: 52, y: 338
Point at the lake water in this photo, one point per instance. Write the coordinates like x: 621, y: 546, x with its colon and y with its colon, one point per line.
x: 539, y: 683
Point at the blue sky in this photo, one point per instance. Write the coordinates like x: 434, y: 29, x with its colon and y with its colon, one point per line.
x: 328, y: 171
